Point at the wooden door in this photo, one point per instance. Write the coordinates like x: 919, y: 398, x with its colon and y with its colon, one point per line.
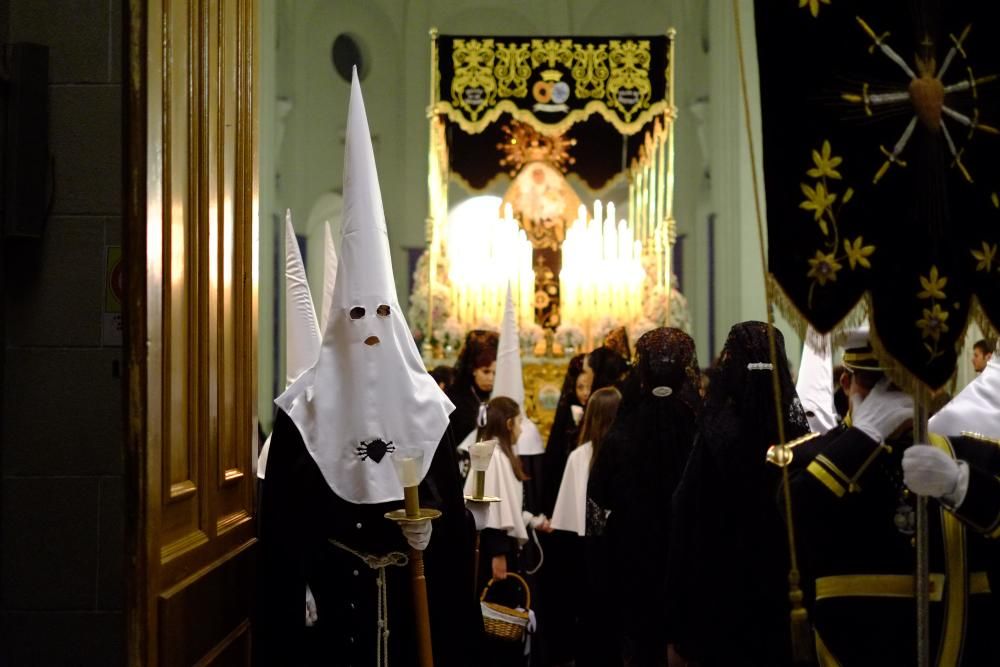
x: 192, y: 297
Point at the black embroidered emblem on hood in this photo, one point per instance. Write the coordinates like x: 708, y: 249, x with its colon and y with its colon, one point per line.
x: 375, y: 450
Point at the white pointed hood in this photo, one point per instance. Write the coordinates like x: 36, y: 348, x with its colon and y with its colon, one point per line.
x: 976, y: 409
x: 509, y: 380
x: 364, y: 399
x: 329, y: 274
x: 302, y: 333
x: 815, y: 382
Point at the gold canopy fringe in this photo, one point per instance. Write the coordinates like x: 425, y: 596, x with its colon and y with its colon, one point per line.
x: 599, y: 107
x: 895, y: 371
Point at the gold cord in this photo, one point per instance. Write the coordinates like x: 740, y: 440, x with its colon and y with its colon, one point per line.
x: 802, y: 642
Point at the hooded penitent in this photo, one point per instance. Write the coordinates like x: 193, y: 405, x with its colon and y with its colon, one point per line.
x: 815, y: 382
x: 302, y: 336
x: 509, y: 382
x: 976, y: 409
x: 500, y: 481
x: 368, y: 394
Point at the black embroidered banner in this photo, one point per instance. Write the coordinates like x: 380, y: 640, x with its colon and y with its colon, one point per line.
x: 552, y: 82
x: 882, y: 168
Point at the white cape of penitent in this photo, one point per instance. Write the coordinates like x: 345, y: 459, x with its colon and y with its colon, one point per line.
x: 501, y: 483
x: 976, y: 409
x: 571, y: 504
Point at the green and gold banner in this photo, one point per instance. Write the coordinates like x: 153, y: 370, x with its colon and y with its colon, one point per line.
x: 552, y: 82
x: 882, y: 169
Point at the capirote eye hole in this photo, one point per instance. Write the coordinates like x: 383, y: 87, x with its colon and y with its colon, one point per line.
x: 357, y: 313
x: 383, y: 311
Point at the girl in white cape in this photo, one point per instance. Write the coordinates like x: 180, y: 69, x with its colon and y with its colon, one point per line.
x: 571, y: 503
x: 507, y: 523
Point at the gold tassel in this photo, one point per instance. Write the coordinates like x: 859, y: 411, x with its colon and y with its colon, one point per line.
x: 803, y: 645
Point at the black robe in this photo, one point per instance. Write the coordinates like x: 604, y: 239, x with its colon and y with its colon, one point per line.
x: 467, y: 399
x: 631, y: 482
x: 728, y: 563
x: 301, y: 516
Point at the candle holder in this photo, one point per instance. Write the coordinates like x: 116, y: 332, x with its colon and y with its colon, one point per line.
x: 481, y: 453
x: 408, y: 464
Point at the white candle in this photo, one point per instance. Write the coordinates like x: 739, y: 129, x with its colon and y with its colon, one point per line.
x: 408, y: 470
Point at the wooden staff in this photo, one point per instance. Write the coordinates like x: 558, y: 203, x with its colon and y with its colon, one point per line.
x: 421, y: 610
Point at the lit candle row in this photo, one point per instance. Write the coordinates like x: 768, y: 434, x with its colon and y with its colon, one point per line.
x: 602, y: 274
x: 484, y: 257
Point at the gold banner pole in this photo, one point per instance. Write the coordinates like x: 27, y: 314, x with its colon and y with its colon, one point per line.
x: 668, y: 185
x: 921, y: 581
x: 433, y: 181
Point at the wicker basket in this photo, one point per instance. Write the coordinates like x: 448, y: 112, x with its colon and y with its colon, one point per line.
x: 502, y: 622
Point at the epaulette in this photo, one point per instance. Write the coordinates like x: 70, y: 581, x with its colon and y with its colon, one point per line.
x: 782, y: 456
x: 980, y: 437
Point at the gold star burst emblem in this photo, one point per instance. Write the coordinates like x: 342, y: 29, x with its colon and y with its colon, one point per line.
x: 524, y: 144
x: 927, y: 91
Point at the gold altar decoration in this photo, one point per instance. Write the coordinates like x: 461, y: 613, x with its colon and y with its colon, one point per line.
x: 542, y: 386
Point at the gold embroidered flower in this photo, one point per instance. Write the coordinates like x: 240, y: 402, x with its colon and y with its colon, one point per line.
x: 817, y: 200
x: 858, y: 253
x: 813, y: 5
x: 933, y: 285
x: 824, y: 268
x: 826, y: 165
x: 985, y: 257
x: 934, y: 322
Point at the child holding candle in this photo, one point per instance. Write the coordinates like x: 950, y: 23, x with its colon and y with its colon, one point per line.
x: 507, y: 524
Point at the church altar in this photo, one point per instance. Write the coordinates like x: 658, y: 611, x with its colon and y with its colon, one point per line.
x: 563, y: 118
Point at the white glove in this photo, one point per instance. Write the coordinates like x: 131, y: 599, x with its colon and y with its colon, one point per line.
x: 311, y: 615
x: 533, y: 520
x: 881, y: 412
x: 480, y: 511
x: 417, y: 533
x: 928, y: 471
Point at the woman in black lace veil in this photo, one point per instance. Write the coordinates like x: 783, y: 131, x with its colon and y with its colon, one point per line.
x: 628, y: 498
x: 728, y: 569
x: 608, y: 366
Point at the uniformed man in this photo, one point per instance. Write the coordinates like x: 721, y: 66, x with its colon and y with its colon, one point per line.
x: 855, y: 524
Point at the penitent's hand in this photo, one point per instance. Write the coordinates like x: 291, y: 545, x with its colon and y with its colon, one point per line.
x: 417, y: 533
x: 500, y: 567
